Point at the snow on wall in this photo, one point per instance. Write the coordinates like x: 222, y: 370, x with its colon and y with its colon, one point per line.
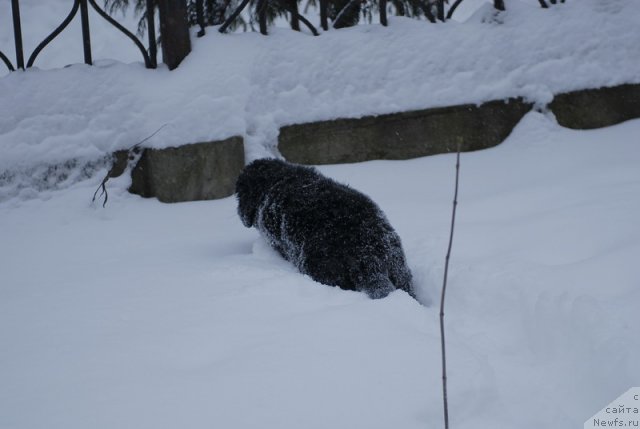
x: 251, y: 85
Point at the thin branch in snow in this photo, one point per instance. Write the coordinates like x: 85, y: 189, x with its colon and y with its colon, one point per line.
x: 119, y: 166
x: 444, y: 289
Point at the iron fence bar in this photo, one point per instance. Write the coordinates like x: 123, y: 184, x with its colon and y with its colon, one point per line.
x: 453, y: 8
x: 17, y: 33
x: 427, y: 12
x: 261, y: 7
x: 6, y: 61
x: 292, y: 6
x: 134, y: 39
x: 151, y: 33
x: 150, y: 62
x: 233, y: 16
x: 383, y: 13
x: 305, y: 21
x: 54, y: 34
x: 86, y: 34
x: 324, y: 19
x: 199, y: 17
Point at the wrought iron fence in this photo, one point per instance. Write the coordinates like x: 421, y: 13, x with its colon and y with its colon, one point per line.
x: 149, y: 55
x: 175, y: 22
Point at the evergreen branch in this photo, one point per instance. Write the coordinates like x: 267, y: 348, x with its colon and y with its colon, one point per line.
x: 345, y: 14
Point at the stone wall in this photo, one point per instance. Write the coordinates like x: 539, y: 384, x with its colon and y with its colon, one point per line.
x: 205, y: 171
x: 402, y: 135
x: 596, y: 108
x: 200, y: 171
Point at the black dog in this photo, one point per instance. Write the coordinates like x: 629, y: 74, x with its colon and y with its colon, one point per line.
x: 331, y: 232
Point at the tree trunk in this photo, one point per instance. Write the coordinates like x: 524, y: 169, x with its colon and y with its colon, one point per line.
x: 174, y: 30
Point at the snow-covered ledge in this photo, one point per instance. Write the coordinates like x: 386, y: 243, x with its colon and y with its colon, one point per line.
x: 419, y: 133
x: 402, y: 135
x: 199, y: 171
x: 204, y: 171
x: 597, y: 108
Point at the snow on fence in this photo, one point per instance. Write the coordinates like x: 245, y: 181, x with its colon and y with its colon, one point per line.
x: 149, y: 54
x: 176, y: 16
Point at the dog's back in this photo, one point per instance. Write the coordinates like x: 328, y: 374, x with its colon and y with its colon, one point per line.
x: 331, y: 232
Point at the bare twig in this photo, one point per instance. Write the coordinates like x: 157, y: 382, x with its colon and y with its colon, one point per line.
x: 147, y: 138
x: 444, y: 289
x: 116, y: 170
x: 104, y: 190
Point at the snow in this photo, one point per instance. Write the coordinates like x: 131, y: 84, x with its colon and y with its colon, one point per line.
x: 145, y: 314
x: 328, y: 231
x: 250, y: 85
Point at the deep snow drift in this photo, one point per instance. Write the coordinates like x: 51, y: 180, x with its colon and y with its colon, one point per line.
x: 146, y: 315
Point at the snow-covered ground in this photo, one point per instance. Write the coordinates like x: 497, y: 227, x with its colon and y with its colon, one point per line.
x: 147, y: 315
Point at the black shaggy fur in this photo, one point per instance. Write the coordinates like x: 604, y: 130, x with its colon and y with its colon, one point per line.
x: 331, y: 232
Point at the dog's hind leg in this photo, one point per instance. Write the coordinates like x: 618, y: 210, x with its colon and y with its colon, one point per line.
x: 372, y: 277
x: 378, y: 286
x: 400, y: 276
x: 399, y: 272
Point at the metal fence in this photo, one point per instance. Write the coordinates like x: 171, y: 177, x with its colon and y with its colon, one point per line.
x: 174, y: 24
x: 149, y: 54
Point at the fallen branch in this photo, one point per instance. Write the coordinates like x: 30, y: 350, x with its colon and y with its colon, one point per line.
x: 120, y: 165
